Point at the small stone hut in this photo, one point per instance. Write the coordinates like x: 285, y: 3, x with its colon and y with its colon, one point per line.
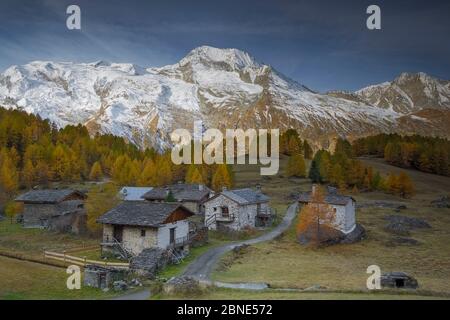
x: 58, y: 210
x: 398, y: 280
x: 101, y: 277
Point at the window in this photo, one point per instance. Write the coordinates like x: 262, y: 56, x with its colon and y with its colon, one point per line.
x: 215, y: 209
x: 225, y: 212
x: 80, y: 206
x: 400, y: 283
x: 142, y: 232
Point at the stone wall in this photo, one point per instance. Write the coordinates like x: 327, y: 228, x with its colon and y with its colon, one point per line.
x: 150, y: 261
x: 101, y: 277
x: 135, y: 243
x: 37, y: 215
x: 108, y: 233
x: 132, y: 240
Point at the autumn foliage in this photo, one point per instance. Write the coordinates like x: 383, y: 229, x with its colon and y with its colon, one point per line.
x: 316, y: 222
x: 428, y: 154
x: 296, y: 166
x: 35, y: 152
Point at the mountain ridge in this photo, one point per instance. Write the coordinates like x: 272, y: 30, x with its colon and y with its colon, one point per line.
x: 225, y: 88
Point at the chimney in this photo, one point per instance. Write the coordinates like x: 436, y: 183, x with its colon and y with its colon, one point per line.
x: 332, y: 190
x: 258, y: 187
x: 314, y: 189
x: 224, y: 188
x: 201, y: 187
x: 212, y: 193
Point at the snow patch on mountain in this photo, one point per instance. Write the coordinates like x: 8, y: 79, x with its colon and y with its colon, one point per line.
x: 223, y: 87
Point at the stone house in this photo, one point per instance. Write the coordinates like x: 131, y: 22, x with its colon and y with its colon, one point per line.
x: 237, y: 209
x: 343, y: 206
x: 134, y: 226
x: 133, y: 193
x: 191, y: 196
x: 57, y: 210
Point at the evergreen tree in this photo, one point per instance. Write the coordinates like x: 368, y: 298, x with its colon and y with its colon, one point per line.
x: 170, y: 197
x: 314, y: 173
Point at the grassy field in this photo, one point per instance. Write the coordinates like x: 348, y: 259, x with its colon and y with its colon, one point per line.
x: 284, y: 263
x: 21, y: 279
x: 27, y: 280
x: 32, y: 242
x: 281, y: 263
x: 270, y: 294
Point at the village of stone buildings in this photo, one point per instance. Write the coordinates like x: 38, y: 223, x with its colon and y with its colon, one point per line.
x: 263, y: 234
x: 153, y: 227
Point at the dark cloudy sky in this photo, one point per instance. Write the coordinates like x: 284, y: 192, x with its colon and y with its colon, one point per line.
x: 322, y: 44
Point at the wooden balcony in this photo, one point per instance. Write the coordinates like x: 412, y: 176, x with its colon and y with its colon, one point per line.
x: 180, y: 242
x: 225, y: 218
x: 266, y: 212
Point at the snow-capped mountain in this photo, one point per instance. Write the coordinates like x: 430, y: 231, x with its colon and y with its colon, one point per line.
x: 226, y: 88
x: 409, y: 92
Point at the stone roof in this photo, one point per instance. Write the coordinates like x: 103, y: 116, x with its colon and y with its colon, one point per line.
x: 330, y: 198
x: 140, y: 213
x: 244, y: 196
x: 180, y: 191
x: 133, y: 193
x: 50, y: 196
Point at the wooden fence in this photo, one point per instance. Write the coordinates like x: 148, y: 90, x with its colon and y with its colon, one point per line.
x: 82, y: 261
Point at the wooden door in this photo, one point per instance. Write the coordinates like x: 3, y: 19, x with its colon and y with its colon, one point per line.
x: 118, y: 233
x: 172, y: 235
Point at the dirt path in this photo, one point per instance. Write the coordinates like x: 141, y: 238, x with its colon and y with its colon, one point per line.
x: 202, y: 267
x: 139, y: 295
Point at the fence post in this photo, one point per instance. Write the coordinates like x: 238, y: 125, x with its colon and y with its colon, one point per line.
x: 64, y: 252
x: 84, y: 260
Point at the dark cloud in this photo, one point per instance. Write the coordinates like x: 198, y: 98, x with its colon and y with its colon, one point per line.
x: 323, y: 44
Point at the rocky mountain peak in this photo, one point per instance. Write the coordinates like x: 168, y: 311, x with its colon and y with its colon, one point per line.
x: 225, y: 88
x: 210, y: 56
